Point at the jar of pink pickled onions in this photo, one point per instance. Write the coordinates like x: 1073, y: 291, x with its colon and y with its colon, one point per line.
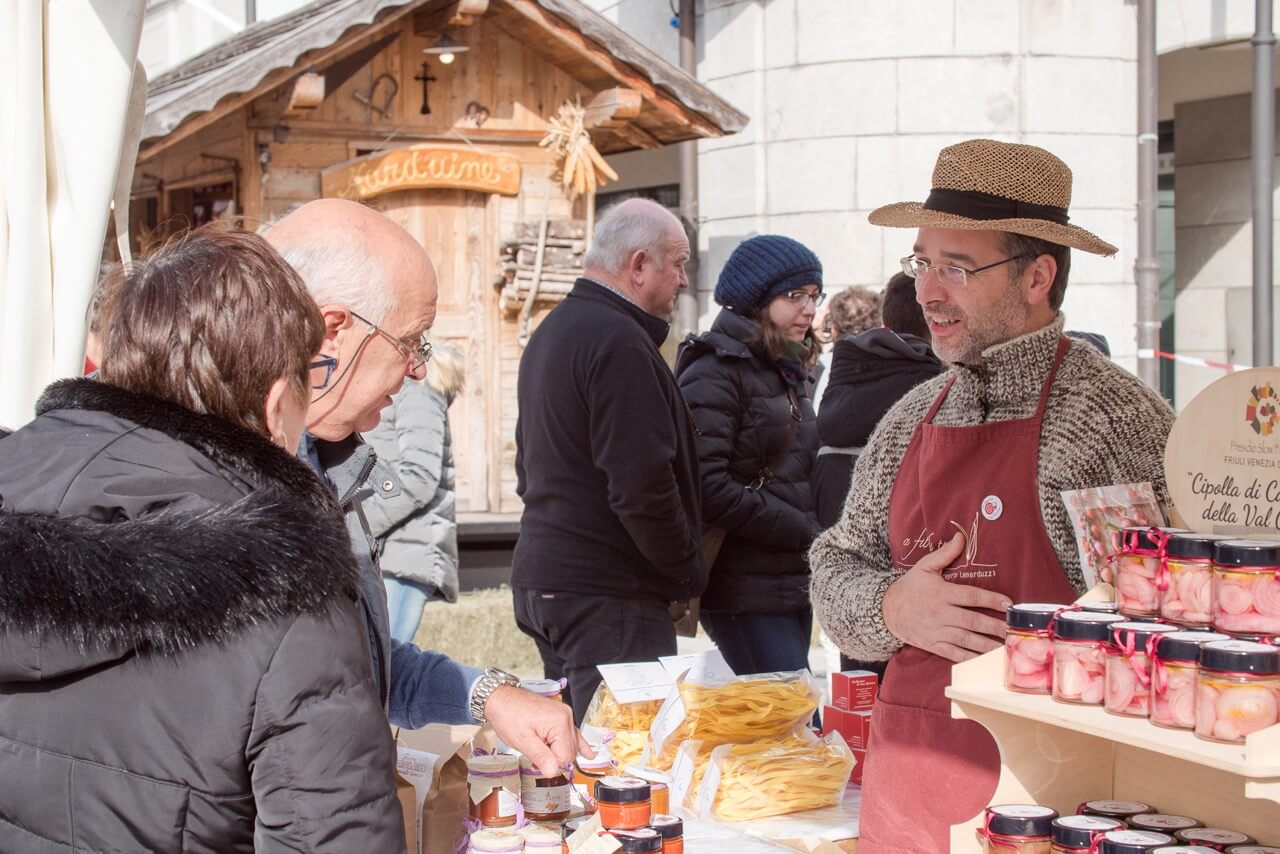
x: 1028, y: 647
x: 1080, y: 641
x: 1128, y: 690
x: 1175, y: 663
x: 1237, y: 691
x: 1185, y: 580
x: 1246, y: 587
x: 1138, y: 567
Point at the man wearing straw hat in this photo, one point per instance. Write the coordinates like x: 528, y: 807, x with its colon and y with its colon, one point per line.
x: 955, y: 509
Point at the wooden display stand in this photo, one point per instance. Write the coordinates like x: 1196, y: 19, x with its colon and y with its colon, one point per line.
x: 1060, y: 755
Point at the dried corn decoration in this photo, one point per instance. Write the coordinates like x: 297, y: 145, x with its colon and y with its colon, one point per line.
x: 582, y: 168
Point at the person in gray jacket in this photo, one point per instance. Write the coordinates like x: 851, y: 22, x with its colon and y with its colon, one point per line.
x: 181, y: 663
x: 413, y: 513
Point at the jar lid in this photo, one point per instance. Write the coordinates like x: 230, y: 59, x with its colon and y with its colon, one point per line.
x: 1214, y: 836
x: 494, y: 763
x: 668, y: 826
x: 539, y: 835
x: 656, y: 778
x: 1184, y: 645
x: 528, y: 769
x: 1114, y: 809
x: 1269, y: 640
x: 1133, y: 841
x: 642, y: 839
x: 1079, y: 831
x: 1247, y: 553
x: 1021, y: 820
x: 1035, y: 615
x: 1186, y: 849
x: 1141, y: 632
x: 1192, y: 546
x: 570, y: 826
x: 1085, y: 625
x: 622, y: 790
x: 1145, y: 537
x: 1237, y: 656
x: 1253, y: 849
x: 1098, y: 607
x: 495, y: 841
x: 543, y: 687
x: 603, y: 760
x: 1158, y: 821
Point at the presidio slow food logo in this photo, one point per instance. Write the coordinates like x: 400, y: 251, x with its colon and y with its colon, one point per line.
x: 1263, y: 409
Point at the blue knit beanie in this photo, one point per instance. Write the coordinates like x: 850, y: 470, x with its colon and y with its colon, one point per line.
x: 763, y: 267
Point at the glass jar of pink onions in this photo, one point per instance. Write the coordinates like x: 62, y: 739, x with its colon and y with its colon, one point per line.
x: 1238, y: 690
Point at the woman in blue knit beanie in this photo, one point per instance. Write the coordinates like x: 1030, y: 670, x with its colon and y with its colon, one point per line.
x: 747, y: 385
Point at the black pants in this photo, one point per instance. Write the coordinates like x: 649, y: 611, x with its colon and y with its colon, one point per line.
x: 876, y: 667
x: 574, y: 632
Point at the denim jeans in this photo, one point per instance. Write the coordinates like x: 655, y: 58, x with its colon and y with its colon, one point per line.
x: 761, y: 643
x: 405, y: 601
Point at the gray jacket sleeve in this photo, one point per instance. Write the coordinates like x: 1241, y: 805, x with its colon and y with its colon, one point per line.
x: 320, y: 752
x: 410, y: 438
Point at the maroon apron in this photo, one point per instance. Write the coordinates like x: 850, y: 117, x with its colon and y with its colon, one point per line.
x: 925, y: 770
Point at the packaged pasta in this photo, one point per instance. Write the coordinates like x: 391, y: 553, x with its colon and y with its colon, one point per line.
x: 751, y: 781
x: 740, y: 710
x: 628, y: 722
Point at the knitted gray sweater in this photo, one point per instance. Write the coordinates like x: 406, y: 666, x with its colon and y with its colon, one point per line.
x: 1102, y: 426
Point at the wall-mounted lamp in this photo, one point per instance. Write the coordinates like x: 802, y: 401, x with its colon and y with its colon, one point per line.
x: 446, y: 48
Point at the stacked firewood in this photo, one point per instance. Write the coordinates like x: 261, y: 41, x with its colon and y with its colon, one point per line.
x: 519, y: 266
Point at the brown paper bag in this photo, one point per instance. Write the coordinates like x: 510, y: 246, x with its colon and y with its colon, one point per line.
x: 408, y: 799
x: 434, y: 760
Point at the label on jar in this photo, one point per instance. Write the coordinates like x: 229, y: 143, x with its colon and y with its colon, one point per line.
x: 1213, y: 834
x: 1027, y: 811
x: 1256, y: 849
x: 1138, y: 837
x: 1088, y: 822
x: 547, y: 800
x: 507, y: 803
x: 1118, y: 807
x: 1164, y: 822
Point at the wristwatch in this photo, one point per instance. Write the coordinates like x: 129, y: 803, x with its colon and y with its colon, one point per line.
x: 492, y: 679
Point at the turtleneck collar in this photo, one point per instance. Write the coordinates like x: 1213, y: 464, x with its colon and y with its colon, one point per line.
x: 1014, y: 371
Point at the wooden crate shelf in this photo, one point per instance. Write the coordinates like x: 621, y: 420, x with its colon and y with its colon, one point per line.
x: 1060, y: 755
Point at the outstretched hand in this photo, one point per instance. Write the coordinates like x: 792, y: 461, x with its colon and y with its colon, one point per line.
x: 539, y: 727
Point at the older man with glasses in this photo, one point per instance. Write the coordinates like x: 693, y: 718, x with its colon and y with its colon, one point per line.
x: 376, y: 289
x: 955, y: 509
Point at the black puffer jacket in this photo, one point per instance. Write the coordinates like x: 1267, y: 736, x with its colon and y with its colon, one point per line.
x: 869, y: 373
x: 741, y: 410
x: 181, y: 664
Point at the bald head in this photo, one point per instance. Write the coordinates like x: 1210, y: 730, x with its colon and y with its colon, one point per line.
x: 640, y: 248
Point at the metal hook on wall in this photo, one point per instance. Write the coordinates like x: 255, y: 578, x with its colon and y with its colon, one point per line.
x: 368, y: 100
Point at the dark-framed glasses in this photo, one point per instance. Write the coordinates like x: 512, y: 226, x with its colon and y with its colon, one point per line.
x: 416, y: 356
x: 948, y: 274
x: 321, y: 371
x: 800, y: 298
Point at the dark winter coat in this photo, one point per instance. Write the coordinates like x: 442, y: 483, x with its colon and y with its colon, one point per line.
x: 181, y: 663
x: 741, y: 411
x: 869, y: 373
x: 605, y: 457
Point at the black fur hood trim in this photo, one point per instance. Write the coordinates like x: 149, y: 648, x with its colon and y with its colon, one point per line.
x: 179, y: 578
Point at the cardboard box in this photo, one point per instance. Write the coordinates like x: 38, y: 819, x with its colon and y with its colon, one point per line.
x: 854, y: 690
x: 855, y: 727
x: 856, y: 776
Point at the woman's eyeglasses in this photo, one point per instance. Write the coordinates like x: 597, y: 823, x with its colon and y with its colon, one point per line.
x: 321, y: 371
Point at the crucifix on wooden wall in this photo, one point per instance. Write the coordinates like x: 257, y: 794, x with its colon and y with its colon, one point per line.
x: 427, y: 78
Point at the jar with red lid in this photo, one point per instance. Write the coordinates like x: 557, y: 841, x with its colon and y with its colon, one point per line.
x: 1028, y: 647
x: 1128, y: 690
x: 1078, y: 833
x: 1138, y: 568
x: 1238, y: 690
x: 1185, y: 581
x: 1162, y: 823
x: 1175, y: 664
x: 671, y: 829
x: 1133, y: 841
x: 544, y: 799
x: 1080, y: 641
x: 1017, y: 829
x: 624, y: 803
x: 642, y: 840
x: 1246, y: 587
x: 1119, y: 810
x: 494, y: 785
x: 1213, y: 837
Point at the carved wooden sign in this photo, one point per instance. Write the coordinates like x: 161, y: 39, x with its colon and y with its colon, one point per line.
x: 422, y: 167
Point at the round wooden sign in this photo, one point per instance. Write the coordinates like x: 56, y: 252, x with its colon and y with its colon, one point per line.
x: 1222, y: 462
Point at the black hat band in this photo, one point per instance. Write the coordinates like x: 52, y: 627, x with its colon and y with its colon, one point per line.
x: 976, y: 204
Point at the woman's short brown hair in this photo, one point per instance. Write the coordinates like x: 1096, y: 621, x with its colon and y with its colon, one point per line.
x: 852, y: 311
x: 209, y: 321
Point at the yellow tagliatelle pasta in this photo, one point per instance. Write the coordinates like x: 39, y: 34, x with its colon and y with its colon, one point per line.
x: 700, y: 757
x: 761, y: 780
x: 605, y: 711
x: 748, y: 709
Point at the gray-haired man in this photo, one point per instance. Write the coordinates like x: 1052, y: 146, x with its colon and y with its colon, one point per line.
x: 606, y: 462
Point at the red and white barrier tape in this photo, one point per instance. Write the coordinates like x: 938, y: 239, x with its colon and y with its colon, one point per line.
x: 1192, y: 360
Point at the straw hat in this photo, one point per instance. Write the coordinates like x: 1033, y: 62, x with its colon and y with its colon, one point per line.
x: 982, y: 184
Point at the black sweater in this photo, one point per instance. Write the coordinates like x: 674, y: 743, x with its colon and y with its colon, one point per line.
x: 605, y: 457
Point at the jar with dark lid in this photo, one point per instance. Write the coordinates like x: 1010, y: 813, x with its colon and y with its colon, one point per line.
x: 1142, y: 553
x: 1186, y: 579
x: 1097, y: 607
x: 1133, y: 841
x: 1073, y: 833
x: 1028, y: 647
x: 1246, y: 587
x: 1175, y: 665
x: 1128, y: 690
x: 1163, y: 823
x: 671, y: 829
x: 1023, y: 828
x: 569, y: 827
x: 1253, y: 849
x: 1114, y: 809
x: 1184, y: 849
x: 1080, y: 641
x: 1214, y: 837
x: 1237, y: 690
x: 624, y: 803
x: 642, y: 839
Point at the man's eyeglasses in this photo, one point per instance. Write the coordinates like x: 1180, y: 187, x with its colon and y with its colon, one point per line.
x: 802, y: 298
x: 416, y: 356
x: 948, y: 274
x: 321, y: 371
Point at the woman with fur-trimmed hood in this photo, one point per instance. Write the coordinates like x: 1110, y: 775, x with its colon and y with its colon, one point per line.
x: 182, y: 667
